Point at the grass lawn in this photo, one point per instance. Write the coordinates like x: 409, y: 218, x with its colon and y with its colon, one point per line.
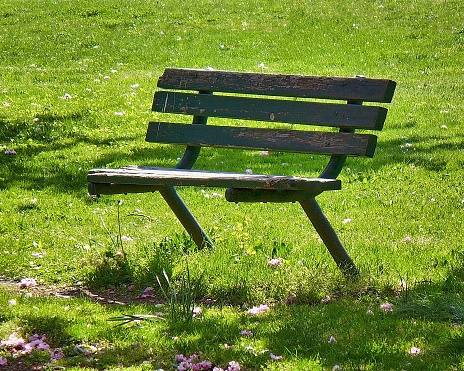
x: 76, y: 85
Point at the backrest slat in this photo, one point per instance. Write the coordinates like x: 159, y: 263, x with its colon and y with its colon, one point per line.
x: 272, y: 110
x: 349, y: 89
x: 331, y: 143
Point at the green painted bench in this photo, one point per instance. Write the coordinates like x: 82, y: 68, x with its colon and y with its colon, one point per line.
x: 324, y: 103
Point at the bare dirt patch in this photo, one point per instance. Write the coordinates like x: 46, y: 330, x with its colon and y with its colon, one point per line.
x: 114, y: 296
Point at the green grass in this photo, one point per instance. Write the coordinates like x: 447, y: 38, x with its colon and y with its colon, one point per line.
x: 405, y: 206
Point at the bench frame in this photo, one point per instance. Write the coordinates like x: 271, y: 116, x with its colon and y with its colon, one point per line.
x: 256, y: 188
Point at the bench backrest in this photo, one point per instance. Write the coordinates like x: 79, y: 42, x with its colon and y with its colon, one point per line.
x: 292, y: 99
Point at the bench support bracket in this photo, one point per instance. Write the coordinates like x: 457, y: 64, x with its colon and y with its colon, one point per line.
x: 328, y: 236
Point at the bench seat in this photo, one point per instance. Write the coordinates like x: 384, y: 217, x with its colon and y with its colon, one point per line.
x: 105, y: 179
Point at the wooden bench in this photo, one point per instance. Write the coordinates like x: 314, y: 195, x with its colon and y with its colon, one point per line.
x: 299, y: 101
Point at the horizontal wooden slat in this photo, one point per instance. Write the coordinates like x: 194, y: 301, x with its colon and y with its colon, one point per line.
x: 357, y: 89
x: 146, y: 177
x: 326, y: 114
x: 263, y: 139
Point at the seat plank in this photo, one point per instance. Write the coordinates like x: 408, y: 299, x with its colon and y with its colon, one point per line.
x: 352, y: 89
x: 271, y: 110
x: 151, y: 177
x: 263, y: 139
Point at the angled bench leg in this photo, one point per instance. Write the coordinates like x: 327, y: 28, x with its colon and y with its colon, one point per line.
x: 184, y: 215
x: 328, y: 235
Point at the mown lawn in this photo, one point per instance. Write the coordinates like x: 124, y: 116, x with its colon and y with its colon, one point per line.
x: 76, y: 84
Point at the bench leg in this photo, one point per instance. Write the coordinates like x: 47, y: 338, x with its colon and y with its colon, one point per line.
x: 328, y: 235
x: 186, y: 218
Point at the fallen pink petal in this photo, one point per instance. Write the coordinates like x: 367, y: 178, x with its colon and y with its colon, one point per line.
x: 414, y: 351
x: 277, y: 262
x: 181, y: 358
x: 246, y: 333
x: 28, y: 282
x: 276, y: 358
x: 57, y: 354
x: 256, y: 310
x: 233, y: 366
x: 386, y: 307
x: 332, y: 340
x: 3, y: 362
x: 13, y: 341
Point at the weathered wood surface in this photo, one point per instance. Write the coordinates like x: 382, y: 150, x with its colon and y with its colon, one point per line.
x: 352, y: 89
x: 271, y: 110
x: 146, y: 177
x: 263, y: 139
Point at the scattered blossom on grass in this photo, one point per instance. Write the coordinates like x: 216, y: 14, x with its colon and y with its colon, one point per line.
x: 13, y: 341
x: 249, y: 171
x: 332, y: 340
x: 386, y: 307
x: 147, y: 293
x: 12, y: 302
x: 346, y: 221
x: 10, y: 152
x: 57, y: 354
x: 3, y: 362
x: 369, y: 312
x: 290, y: 300
x: 276, y: 358
x: 67, y: 96
x: 28, y: 282
x: 195, y: 363
x: 256, y: 310
x: 197, y: 311
x: 336, y: 368
x: 214, y: 194
x: 192, y: 363
x: 17, y: 345
x: 246, y: 333
x: 414, y: 351
x: 85, y: 349
x: 264, y: 153
x: 233, y: 366
x: 274, y: 263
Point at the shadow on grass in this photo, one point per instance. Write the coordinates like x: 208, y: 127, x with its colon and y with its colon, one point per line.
x: 382, y: 341
x: 64, y: 173
x: 428, y: 315
x: 55, y: 134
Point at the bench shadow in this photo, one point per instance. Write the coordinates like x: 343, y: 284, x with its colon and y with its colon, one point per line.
x: 67, y: 177
x: 59, y: 173
x: 290, y: 330
x: 307, y: 337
